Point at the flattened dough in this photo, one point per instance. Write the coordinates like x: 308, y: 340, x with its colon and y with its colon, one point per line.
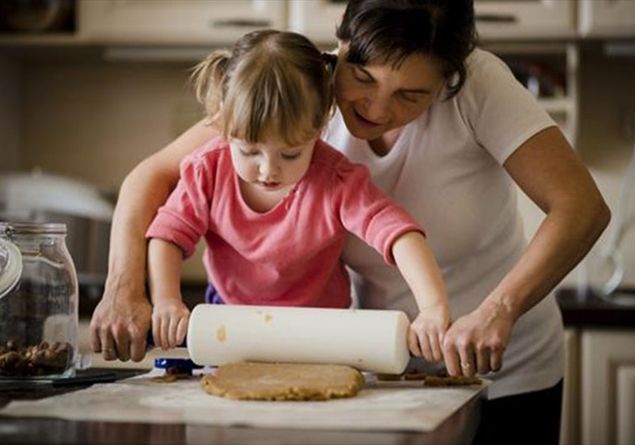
x: 283, y: 381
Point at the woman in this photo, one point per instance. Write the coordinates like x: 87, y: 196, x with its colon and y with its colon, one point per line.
x: 445, y: 130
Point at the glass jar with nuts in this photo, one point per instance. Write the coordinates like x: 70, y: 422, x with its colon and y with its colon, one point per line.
x: 38, y: 302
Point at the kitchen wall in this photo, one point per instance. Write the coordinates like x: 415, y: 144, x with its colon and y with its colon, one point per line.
x: 99, y: 124
x: 9, y: 117
x: 95, y: 120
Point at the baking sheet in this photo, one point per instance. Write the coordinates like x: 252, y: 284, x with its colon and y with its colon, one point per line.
x: 139, y: 399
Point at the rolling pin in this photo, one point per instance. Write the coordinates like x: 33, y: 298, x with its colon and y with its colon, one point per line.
x: 369, y: 340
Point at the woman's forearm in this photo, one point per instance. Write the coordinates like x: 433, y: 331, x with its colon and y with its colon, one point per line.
x: 143, y: 191
x: 141, y: 194
x: 562, y: 240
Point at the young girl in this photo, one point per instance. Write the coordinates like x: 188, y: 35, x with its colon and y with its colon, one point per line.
x: 275, y: 203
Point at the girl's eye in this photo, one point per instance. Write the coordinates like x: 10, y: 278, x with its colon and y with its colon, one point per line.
x: 248, y: 153
x: 291, y: 156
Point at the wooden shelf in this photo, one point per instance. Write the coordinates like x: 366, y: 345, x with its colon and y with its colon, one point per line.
x: 52, y: 39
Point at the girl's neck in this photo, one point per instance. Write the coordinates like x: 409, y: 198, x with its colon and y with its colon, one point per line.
x: 383, y: 144
x: 259, y: 200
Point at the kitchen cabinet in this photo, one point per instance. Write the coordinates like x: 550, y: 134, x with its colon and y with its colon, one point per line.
x: 523, y: 19
x: 607, y: 18
x: 317, y: 19
x: 217, y: 22
x: 501, y: 19
x: 550, y: 72
x: 608, y: 386
x: 569, y: 427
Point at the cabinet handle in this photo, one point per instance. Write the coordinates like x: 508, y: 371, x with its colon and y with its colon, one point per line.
x: 240, y: 23
x: 496, y: 18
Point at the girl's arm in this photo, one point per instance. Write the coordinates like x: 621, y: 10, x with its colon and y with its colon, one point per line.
x: 548, y: 171
x: 122, y: 318
x: 420, y: 270
x: 169, y: 314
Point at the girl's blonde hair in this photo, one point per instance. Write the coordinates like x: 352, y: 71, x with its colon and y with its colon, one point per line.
x: 272, y: 83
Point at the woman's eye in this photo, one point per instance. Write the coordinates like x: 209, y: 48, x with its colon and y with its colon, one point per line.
x: 248, y: 153
x: 410, y: 97
x: 361, y: 77
x: 290, y: 156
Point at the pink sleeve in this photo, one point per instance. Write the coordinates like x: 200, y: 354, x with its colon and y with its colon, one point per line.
x: 367, y: 212
x: 185, y: 216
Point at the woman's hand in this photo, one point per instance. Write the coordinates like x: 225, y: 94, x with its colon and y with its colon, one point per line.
x: 475, y: 342
x: 426, y: 332
x: 169, y: 322
x: 120, y: 322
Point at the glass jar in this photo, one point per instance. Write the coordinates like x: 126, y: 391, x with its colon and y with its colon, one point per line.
x: 38, y: 302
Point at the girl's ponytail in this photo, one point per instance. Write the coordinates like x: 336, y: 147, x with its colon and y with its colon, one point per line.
x: 208, y: 78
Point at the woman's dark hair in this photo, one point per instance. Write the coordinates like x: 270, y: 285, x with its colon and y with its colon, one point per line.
x: 391, y: 30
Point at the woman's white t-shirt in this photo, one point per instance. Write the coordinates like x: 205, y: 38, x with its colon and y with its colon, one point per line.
x: 446, y: 170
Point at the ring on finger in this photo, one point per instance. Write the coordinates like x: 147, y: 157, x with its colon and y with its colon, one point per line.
x: 465, y: 365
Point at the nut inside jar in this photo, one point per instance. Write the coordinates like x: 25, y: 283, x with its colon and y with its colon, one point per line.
x: 34, y: 360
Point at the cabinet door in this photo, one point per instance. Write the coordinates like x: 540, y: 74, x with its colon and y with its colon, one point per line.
x: 626, y: 405
x: 316, y: 19
x: 608, y: 386
x: 571, y: 394
x: 495, y: 19
x: 607, y: 18
x: 539, y: 19
x: 208, y: 22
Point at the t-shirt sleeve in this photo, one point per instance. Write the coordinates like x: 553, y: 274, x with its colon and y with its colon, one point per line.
x: 367, y: 212
x: 185, y: 216
x: 501, y: 112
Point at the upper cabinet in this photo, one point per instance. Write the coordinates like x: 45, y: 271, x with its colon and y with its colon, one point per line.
x: 607, y: 18
x: 495, y: 19
x: 215, y: 22
x: 525, y: 19
x: 181, y: 23
x: 317, y: 19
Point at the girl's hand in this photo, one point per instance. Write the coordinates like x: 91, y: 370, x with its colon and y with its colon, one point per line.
x: 425, y: 337
x: 475, y: 342
x: 169, y: 323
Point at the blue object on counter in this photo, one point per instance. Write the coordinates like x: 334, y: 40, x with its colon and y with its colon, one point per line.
x: 176, y: 365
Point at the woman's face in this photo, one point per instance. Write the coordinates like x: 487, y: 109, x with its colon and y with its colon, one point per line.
x: 376, y: 98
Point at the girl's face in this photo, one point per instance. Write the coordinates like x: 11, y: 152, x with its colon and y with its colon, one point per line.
x: 271, y: 165
x: 376, y: 98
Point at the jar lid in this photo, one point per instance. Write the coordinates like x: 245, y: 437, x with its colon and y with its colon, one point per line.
x: 11, y: 229
x: 10, y: 266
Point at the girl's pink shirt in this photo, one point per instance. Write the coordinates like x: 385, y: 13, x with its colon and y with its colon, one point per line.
x: 290, y: 255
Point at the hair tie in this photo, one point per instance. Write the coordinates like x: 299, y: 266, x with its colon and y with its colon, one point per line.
x: 330, y: 60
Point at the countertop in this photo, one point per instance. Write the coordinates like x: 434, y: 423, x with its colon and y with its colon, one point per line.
x: 592, y: 311
x: 578, y: 311
x: 460, y: 427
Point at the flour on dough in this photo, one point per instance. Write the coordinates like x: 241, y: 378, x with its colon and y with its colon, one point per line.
x: 283, y: 381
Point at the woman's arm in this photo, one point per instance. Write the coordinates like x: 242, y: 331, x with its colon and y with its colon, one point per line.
x: 421, y: 271
x: 122, y: 318
x: 546, y: 168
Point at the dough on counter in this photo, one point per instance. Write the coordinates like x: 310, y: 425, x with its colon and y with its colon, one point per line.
x: 431, y: 380
x: 283, y: 381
